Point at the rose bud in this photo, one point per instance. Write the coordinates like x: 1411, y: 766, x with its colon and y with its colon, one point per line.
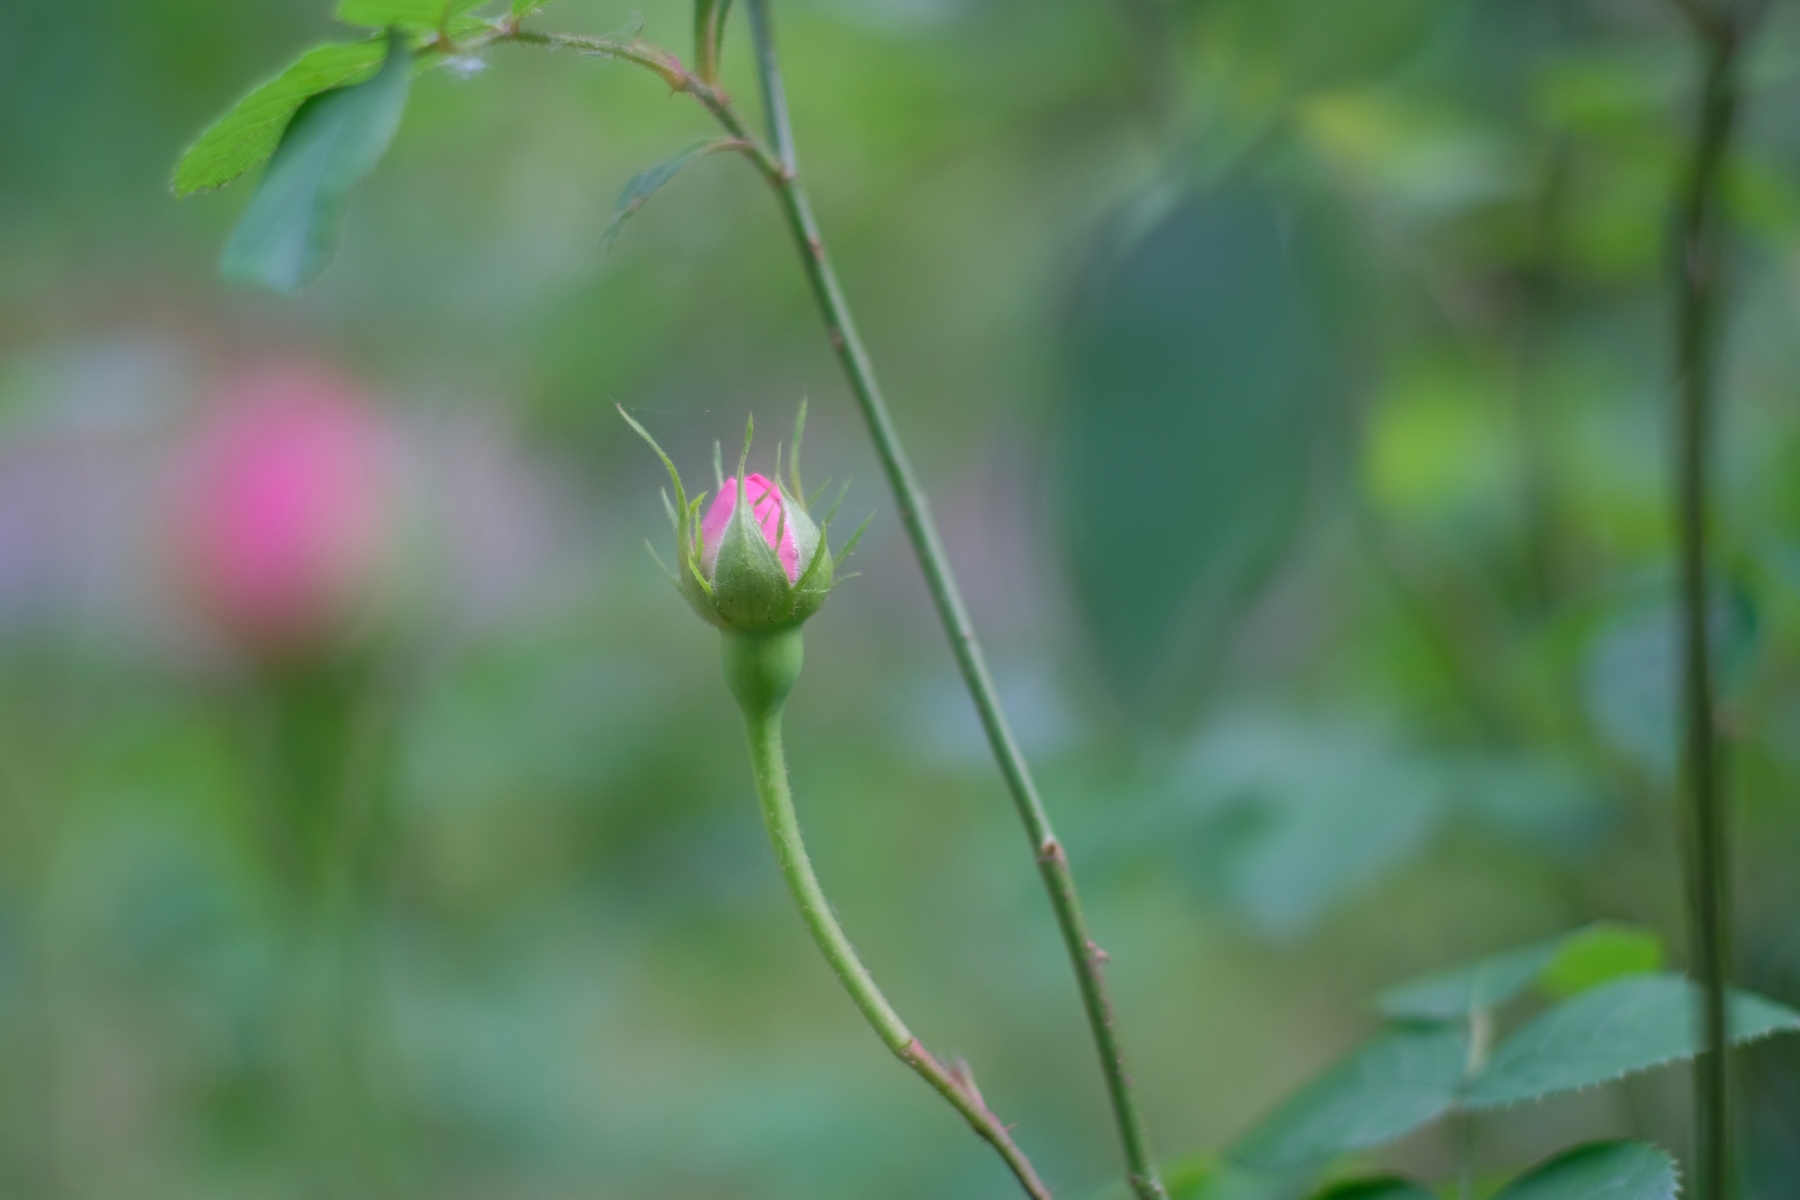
x: 757, y: 561
x: 283, y: 507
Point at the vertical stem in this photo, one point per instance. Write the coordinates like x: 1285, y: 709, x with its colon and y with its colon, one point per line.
x: 745, y: 658
x: 1697, y: 271
x: 909, y: 499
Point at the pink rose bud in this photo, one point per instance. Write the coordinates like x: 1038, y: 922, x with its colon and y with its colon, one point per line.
x: 766, y: 505
x: 282, y: 506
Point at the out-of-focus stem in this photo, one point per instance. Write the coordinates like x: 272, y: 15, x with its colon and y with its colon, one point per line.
x: 762, y: 727
x: 1721, y: 33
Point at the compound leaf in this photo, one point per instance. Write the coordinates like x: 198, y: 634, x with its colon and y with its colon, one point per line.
x: 1628, y: 1025
x: 334, y: 140
x: 1400, y: 1079
x: 1565, y: 964
x: 250, y: 131
x: 1600, y: 1171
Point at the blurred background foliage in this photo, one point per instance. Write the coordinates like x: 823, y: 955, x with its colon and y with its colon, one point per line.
x: 1290, y: 377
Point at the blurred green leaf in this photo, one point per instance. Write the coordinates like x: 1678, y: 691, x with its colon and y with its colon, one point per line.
x: 1385, y: 1187
x: 290, y: 227
x: 1460, y: 991
x: 1575, y: 961
x: 1600, y: 1171
x: 1198, y: 373
x: 1600, y: 954
x: 250, y: 132
x: 1401, y: 1079
x: 403, y: 14
x: 1629, y: 1025
x: 640, y: 187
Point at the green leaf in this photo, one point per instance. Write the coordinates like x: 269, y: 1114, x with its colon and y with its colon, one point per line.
x: 1628, y: 1025
x: 524, y: 8
x: 1600, y: 1171
x: 249, y: 133
x: 1404, y: 1077
x: 1201, y: 372
x: 1460, y: 991
x: 287, y: 232
x: 1383, y: 1187
x: 1565, y: 964
x: 403, y: 14
x: 647, y: 182
x: 1599, y: 954
x: 709, y: 35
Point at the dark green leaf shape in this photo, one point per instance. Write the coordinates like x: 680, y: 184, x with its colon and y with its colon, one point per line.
x: 287, y: 232
x: 1399, y: 1080
x: 250, y: 132
x: 1198, y: 373
x: 403, y: 14
x: 1580, y: 959
x: 709, y: 35
x: 1628, y: 1025
x: 1384, y: 1187
x: 1600, y: 1171
x: 646, y: 183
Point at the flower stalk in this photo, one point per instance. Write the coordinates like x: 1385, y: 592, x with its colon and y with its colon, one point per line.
x: 760, y: 668
x: 909, y: 499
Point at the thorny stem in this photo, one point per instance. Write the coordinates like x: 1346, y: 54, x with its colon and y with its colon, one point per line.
x: 762, y: 727
x: 1721, y: 33
x: 909, y: 498
x: 779, y: 170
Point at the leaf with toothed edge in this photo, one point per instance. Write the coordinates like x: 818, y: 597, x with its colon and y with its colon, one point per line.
x: 1402, y: 1078
x: 251, y: 130
x: 335, y: 139
x: 1600, y: 1171
x: 1617, y: 1029
x: 1564, y: 964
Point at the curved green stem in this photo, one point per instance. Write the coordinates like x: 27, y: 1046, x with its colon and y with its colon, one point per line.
x: 1053, y: 864
x: 747, y: 667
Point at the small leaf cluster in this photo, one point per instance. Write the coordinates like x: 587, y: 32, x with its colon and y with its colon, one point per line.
x: 1613, y: 1014
x: 741, y: 584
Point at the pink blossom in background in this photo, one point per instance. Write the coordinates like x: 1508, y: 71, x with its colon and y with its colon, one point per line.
x: 283, y: 504
x: 766, y: 503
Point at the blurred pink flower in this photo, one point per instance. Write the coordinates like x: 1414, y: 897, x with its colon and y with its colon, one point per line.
x: 283, y: 505
x: 766, y: 503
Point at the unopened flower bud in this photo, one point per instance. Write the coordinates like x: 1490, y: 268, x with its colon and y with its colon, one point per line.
x: 756, y: 561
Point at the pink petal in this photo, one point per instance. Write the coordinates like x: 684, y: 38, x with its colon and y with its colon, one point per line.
x: 765, y: 501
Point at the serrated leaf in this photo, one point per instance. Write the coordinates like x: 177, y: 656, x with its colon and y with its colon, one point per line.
x: 250, y: 131
x: 1459, y: 991
x: 1600, y: 1171
x: 1575, y: 961
x: 403, y: 14
x: 1385, y: 1187
x: 709, y: 35
x: 647, y: 182
x: 1399, y: 1080
x: 1600, y: 954
x: 287, y: 232
x: 1628, y: 1025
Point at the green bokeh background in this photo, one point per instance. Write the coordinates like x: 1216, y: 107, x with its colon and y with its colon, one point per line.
x: 1290, y: 378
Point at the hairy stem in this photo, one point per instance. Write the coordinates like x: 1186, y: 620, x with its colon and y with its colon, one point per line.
x: 909, y: 498
x: 762, y: 726
x: 1697, y: 287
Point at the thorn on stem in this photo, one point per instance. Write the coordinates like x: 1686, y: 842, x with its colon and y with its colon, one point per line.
x: 1099, y: 955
